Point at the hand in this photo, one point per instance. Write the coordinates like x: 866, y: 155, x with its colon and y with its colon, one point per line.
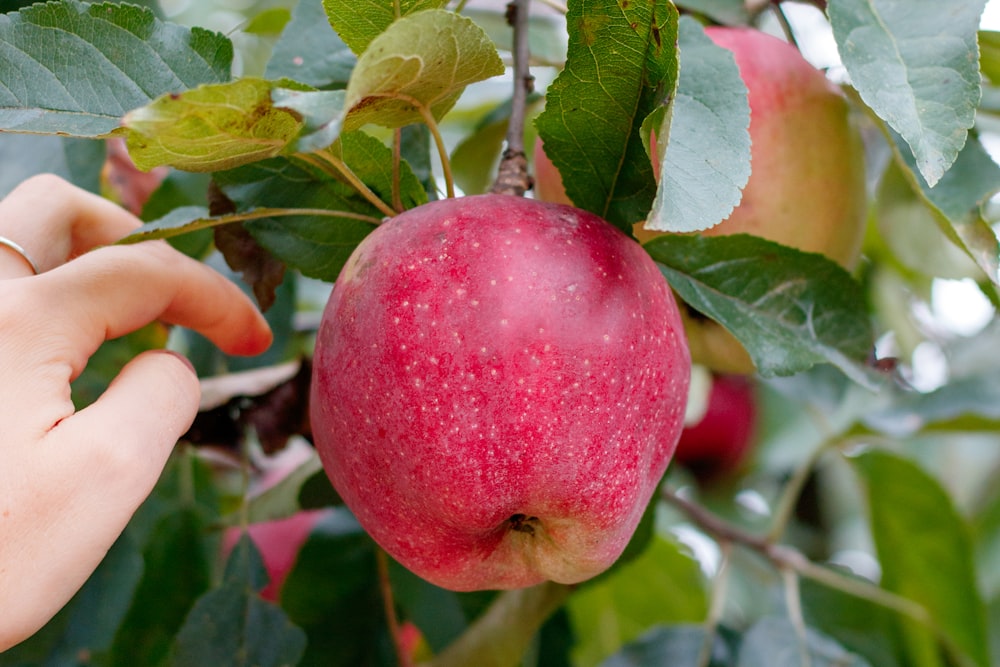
x: 70, y: 481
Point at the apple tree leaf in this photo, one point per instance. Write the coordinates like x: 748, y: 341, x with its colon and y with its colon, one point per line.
x: 321, y: 111
x: 359, y: 22
x: 989, y: 55
x: 232, y: 625
x: 775, y: 642
x: 955, y: 200
x: 62, y: 70
x: 917, y: 68
x: 925, y: 549
x: 726, y: 12
x: 969, y: 403
x: 705, y: 138
x: 621, y: 65
x: 211, y: 128
x: 663, y: 585
x: 422, y: 61
x: 790, y: 309
x: 310, y: 235
x: 674, y: 644
x: 309, y: 51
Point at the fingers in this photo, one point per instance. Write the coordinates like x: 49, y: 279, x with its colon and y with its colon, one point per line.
x: 54, y: 221
x: 115, y: 290
x: 85, y: 479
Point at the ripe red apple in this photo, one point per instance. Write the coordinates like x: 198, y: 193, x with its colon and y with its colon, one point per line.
x: 279, y: 542
x: 498, y: 386
x: 807, y: 186
x: 720, y: 441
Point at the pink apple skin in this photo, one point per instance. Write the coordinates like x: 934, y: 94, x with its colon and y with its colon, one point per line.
x: 720, y: 442
x: 498, y: 387
x: 279, y: 542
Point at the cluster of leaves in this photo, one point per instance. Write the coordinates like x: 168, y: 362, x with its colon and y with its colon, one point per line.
x: 348, y: 122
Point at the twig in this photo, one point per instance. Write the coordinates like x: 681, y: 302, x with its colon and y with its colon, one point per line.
x: 354, y: 181
x: 389, y: 602
x: 513, y: 177
x: 788, y: 558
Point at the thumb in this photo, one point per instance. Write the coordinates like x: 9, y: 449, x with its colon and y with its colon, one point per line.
x: 87, y: 478
x: 126, y: 436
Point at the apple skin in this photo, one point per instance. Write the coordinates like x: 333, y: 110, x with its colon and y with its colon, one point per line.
x: 807, y: 186
x: 279, y: 542
x: 721, y: 440
x: 498, y: 387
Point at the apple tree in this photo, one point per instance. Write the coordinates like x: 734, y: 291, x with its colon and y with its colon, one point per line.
x: 834, y: 500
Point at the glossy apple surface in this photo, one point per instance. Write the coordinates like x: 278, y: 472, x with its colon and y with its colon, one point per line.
x: 720, y: 441
x: 498, y: 386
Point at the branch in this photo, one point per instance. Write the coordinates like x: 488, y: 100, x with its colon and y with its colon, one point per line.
x: 786, y: 558
x: 513, y: 177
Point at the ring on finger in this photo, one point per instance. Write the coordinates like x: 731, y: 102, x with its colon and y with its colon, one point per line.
x: 16, y: 247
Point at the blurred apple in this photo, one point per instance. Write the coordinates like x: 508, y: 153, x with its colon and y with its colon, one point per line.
x: 721, y: 440
x: 498, y: 386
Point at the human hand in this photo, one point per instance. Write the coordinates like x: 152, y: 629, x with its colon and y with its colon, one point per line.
x: 70, y: 481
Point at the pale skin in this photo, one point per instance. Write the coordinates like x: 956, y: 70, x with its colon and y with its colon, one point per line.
x: 71, y: 480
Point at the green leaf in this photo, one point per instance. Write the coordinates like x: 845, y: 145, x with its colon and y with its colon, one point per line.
x: 25, y: 155
x: 314, y: 240
x: 177, y: 573
x: 211, y: 128
x: 789, y: 309
x: 861, y: 626
x: 621, y: 65
x: 424, y: 60
x: 309, y: 51
x: 662, y: 585
x: 973, y: 396
x: 62, y: 69
x: 269, y: 22
x: 989, y: 55
x: 726, y: 12
x: 671, y: 645
x: 925, y: 550
x: 775, y: 642
x: 332, y: 593
x: 957, y: 198
x: 911, y: 229
x: 359, y: 22
x: 916, y: 67
x: 322, y: 112
x: 706, y: 138
x: 231, y: 625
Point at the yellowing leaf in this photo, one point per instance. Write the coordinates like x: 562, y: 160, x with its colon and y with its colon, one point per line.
x: 423, y: 60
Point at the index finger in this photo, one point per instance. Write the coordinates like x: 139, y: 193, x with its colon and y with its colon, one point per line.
x: 115, y: 290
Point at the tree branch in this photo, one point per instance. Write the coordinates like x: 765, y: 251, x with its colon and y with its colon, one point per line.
x: 513, y: 177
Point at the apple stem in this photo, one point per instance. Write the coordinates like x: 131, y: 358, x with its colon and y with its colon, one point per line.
x: 500, y: 637
x: 397, y: 158
x: 785, y: 24
x: 513, y: 177
x: 389, y: 602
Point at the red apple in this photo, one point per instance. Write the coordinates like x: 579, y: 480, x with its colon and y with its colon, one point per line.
x: 720, y: 441
x: 498, y: 386
x: 279, y: 542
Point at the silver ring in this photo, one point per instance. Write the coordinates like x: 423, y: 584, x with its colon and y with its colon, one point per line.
x: 4, y: 241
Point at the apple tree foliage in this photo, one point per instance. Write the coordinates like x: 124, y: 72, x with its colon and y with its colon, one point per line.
x: 863, y: 530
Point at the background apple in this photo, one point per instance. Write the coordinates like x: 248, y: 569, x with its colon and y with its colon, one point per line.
x: 720, y: 441
x: 807, y: 186
x: 498, y: 386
